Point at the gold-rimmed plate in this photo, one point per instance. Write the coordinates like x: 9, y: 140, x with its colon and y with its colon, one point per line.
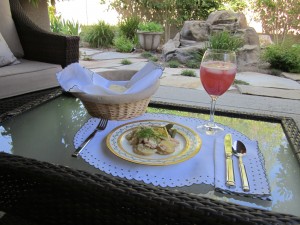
x: 189, y: 144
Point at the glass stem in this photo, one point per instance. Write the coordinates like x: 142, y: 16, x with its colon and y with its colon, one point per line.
x: 212, y: 110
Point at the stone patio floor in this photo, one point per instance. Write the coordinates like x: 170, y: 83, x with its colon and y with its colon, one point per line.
x: 265, y: 94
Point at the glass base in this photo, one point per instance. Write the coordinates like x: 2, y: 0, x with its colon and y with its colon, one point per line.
x: 210, y: 129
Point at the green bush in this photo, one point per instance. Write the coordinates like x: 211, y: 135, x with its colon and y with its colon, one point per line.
x: 55, y: 20
x: 65, y: 27
x: 99, y: 35
x: 60, y: 26
x: 126, y: 62
x: 226, y: 41
x: 123, y: 44
x: 198, y: 54
x: 129, y: 27
x: 56, y: 24
x: 147, y: 55
x: 195, y: 59
x: 150, y: 27
x: 153, y: 58
x: 188, y: 73
x: 72, y: 27
x: 284, y: 57
x: 193, y: 64
x: 174, y: 64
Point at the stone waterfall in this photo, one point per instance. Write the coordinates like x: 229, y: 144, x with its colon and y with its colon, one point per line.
x: 194, y: 35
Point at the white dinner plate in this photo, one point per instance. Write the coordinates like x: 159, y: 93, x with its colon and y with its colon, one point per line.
x: 189, y: 144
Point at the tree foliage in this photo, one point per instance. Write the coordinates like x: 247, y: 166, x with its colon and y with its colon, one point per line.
x: 175, y: 11
x: 234, y: 5
x: 279, y: 17
x: 129, y: 26
x: 167, y: 12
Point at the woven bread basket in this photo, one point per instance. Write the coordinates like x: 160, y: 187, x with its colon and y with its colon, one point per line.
x: 118, y: 107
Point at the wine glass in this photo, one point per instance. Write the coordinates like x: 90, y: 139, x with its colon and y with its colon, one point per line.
x: 217, y: 73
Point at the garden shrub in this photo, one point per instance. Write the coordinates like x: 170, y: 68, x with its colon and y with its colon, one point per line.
x: 99, y: 35
x: 69, y: 27
x: 284, y: 57
x: 150, y: 27
x: 147, y: 54
x: 123, y: 44
x: 61, y: 26
x: 129, y: 27
x: 126, y: 62
x: 198, y: 54
x: 226, y: 41
x: 193, y: 64
x: 174, y: 64
x: 188, y: 73
x: 153, y: 58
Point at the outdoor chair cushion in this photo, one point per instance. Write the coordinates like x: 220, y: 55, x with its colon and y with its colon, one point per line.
x: 8, y: 29
x: 6, y: 56
x: 26, y: 77
x: 42, y: 53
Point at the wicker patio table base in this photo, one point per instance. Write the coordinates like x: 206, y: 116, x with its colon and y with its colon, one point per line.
x: 50, y: 194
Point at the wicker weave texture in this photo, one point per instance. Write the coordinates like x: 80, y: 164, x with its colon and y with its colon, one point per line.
x: 49, y: 194
x: 117, y: 111
x: 41, y: 45
x: 16, y: 105
x: 118, y: 107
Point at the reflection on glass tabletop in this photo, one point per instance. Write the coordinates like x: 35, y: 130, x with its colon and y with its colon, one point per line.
x: 55, y: 123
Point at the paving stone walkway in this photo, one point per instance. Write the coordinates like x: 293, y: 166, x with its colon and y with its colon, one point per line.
x: 265, y: 94
x: 286, y: 87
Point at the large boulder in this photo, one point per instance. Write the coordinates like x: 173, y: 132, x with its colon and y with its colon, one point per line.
x: 184, y: 54
x: 194, y: 35
x: 195, y: 31
x: 248, y: 55
x: 265, y: 40
x: 225, y: 17
x: 171, y: 45
x: 249, y: 36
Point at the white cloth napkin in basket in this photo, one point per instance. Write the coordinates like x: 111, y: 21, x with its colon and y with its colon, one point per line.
x: 75, y: 78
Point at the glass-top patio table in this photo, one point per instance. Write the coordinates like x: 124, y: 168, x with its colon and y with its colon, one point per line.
x: 46, y: 133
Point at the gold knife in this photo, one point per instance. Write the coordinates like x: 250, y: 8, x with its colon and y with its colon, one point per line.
x: 229, y: 164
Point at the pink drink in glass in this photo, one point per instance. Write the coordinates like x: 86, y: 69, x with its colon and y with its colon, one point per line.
x: 217, y: 77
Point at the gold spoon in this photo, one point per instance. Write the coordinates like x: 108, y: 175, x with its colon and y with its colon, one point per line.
x: 239, y: 150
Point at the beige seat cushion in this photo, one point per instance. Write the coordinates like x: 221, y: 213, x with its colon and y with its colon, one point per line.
x: 8, y: 29
x: 6, y: 56
x: 28, y: 76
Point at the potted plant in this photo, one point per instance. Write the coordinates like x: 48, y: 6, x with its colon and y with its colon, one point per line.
x: 149, y: 34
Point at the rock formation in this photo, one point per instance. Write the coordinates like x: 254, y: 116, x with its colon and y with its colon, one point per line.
x: 195, y: 35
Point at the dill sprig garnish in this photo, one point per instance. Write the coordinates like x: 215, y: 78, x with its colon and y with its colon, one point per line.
x: 147, y: 132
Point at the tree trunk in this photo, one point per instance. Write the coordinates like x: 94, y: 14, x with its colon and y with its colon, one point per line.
x: 167, y: 32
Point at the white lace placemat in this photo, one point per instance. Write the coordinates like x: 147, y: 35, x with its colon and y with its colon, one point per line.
x: 199, y: 169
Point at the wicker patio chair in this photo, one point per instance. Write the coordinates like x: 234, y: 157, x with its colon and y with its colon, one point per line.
x: 50, y: 194
x: 41, y: 45
x: 8, y: 104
